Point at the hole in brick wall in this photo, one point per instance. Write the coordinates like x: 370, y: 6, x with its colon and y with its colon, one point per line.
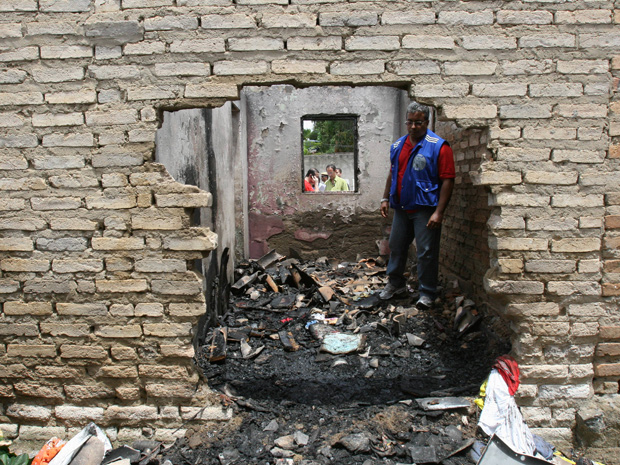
x: 246, y: 154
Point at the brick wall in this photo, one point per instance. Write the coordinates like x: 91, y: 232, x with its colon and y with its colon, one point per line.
x: 464, y: 246
x: 96, y: 293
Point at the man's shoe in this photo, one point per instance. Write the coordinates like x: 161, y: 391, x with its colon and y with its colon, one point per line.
x: 390, y: 291
x: 424, y: 302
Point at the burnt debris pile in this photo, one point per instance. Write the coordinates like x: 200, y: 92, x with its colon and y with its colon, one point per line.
x: 316, y: 332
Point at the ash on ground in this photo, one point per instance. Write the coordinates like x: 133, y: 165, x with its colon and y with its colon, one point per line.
x: 319, y: 370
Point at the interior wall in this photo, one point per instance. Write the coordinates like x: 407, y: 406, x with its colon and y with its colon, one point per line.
x: 199, y: 147
x: 339, y: 225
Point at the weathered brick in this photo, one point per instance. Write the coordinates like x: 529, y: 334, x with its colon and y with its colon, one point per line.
x: 68, y: 140
x: 16, y: 244
x: 513, y: 287
x: 352, y: 18
x: 228, y: 21
x: 608, y: 349
x: 49, y: 285
x: 551, y: 328
x: 599, y: 40
x: 176, y: 351
x: 518, y: 243
x: 23, y: 224
x: 12, y: 162
x: 167, y: 329
x: 585, y: 329
x: 610, y: 289
x: 186, y: 309
x: 255, y: 43
x: 58, y: 372
x: 581, y: 110
x: 499, y: 89
x: 72, y: 244
x: 110, y: 118
x: 209, y: 413
x: 533, y: 309
x: 355, y: 67
x: 299, y: 66
x: 116, y: 32
x: 16, y: 329
x: 68, y: 97
x: 496, y: 177
x: 466, y: 18
x: 114, y: 72
x: 551, y: 224
x: 574, y: 287
x: 119, y: 331
x: 389, y: 18
x: 182, y: 69
x: 84, y: 265
x: 117, y: 371
x: 414, y: 67
x: 144, y: 48
x: 88, y: 392
x: 170, y: 23
x: 10, y: 120
x: 578, y: 156
x: 524, y: 200
x: 27, y: 308
x: 123, y: 353
x: 563, y: 178
x: 556, y: 89
x: 113, y: 243
x: 23, y: 265
x: 198, y: 46
x: 589, y: 266
x: 161, y: 265
x: 73, y: 224
x: 527, y: 67
x: 524, y: 17
x: 74, y: 415
x: 576, y: 244
x: 130, y: 415
x: 178, y: 391
x: 20, y: 98
x: 547, y: 40
x: 583, y: 66
x: 20, y: 54
x: 19, y: 140
x: 522, y: 154
x: 525, y: 111
x: 550, y: 266
x: 90, y: 352
x: 29, y: 412
x: 607, y: 369
x: 176, y: 287
x: 149, y: 309
x: 488, y: 42
x: 82, y: 309
x: 594, y: 16
x: 52, y: 75
x: 240, y: 67
x: 69, y: 330
x: 567, y: 200
x: 314, y: 43
x: 121, y: 285
x: 31, y: 350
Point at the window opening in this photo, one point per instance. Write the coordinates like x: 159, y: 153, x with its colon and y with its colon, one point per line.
x: 329, y: 154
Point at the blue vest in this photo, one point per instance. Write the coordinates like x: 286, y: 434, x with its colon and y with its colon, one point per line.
x: 420, y: 186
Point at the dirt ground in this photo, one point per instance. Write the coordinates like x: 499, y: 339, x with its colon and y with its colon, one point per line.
x: 297, y: 403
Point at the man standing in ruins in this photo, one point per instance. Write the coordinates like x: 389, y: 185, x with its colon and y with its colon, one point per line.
x: 418, y: 187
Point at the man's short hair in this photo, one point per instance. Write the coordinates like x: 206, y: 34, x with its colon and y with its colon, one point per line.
x: 332, y: 166
x: 415, y: 107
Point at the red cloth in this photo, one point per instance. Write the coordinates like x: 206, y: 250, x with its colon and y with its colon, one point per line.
x: 509, y: 369
x: 307, y: 186
x: 445, y: 164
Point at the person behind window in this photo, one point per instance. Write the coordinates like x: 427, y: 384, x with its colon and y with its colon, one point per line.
x: 339, y: 174
x: 311, y: 181
x: 334, y: 183
x: 324, y: 178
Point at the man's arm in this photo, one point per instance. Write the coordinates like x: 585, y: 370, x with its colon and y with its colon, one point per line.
x: 445, y: 192
x: 385, y: 205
